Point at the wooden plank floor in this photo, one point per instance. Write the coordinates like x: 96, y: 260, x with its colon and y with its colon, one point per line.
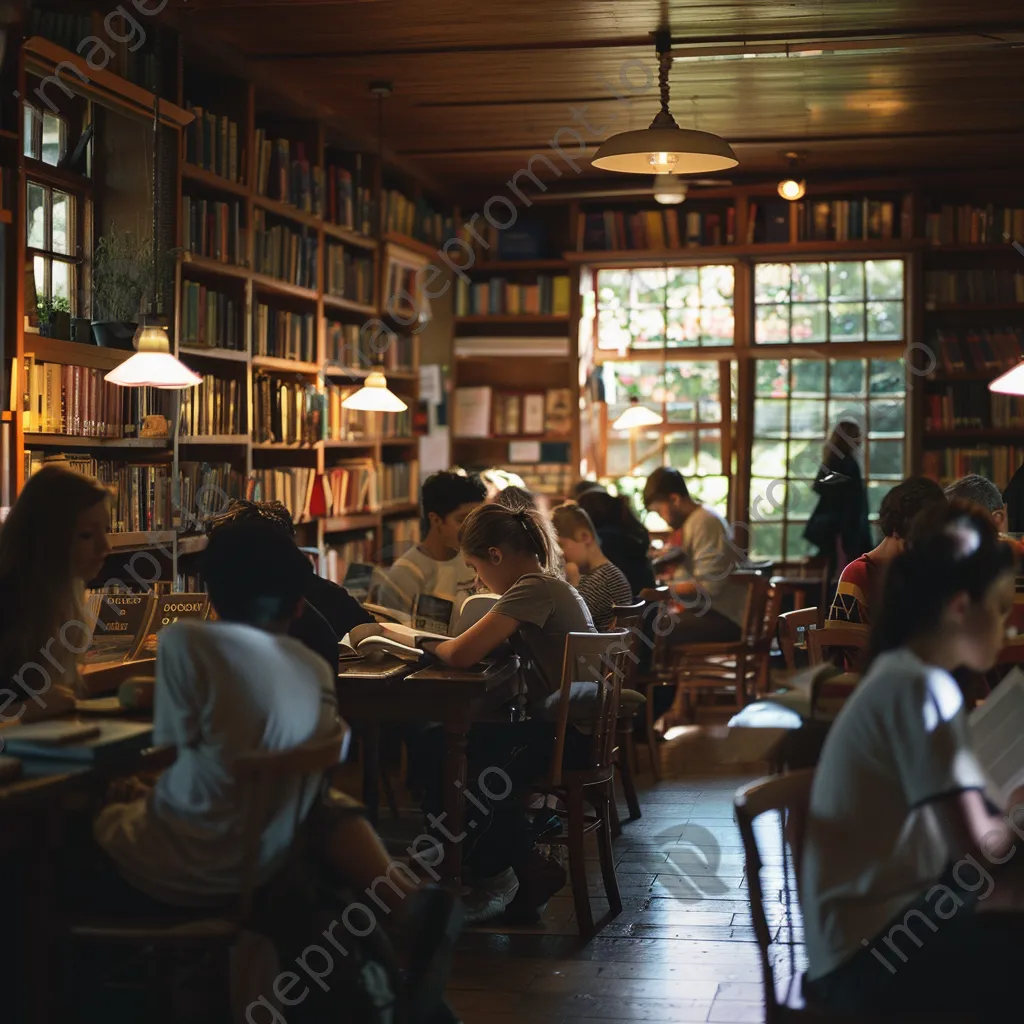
x: 682, y: 949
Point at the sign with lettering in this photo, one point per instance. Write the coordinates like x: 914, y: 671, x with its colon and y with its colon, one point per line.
x: 168, y: 608
x: 122, y: 616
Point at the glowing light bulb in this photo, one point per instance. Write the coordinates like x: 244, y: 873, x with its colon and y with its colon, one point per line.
x: 663, y: 162
x: 792, y: 190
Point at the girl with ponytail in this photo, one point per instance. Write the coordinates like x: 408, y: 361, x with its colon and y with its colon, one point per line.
x: 905, y: 831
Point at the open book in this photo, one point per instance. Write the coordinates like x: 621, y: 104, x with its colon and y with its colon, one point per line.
x: 380, y: 638
x: 997, y: 733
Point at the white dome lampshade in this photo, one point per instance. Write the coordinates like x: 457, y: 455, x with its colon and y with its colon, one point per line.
x: 636, y: 415
x: 669, y: 190
x: 1009, y: 383
x: 374, y: 395
x: 152, y: 365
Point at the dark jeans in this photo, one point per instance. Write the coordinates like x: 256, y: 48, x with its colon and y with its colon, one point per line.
x: 966, y: 963
x: 503, y: 760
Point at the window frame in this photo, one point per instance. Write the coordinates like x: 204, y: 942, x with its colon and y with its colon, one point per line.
x: 49, y: 255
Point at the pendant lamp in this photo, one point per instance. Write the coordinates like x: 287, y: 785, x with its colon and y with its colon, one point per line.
x: 664, y: 147
x: 1009, y: 383
x: 374, y: 395
x: 636, y: 415
x: 152, y: 365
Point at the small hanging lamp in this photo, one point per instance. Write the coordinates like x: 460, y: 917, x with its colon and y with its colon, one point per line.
x: 152, y: 365
x: 1009, y: 383
x: 374, y: 395
x: 636, y: 415
x: 664, y: 147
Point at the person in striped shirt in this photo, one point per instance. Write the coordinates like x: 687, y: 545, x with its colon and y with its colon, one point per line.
x: 601, y: 584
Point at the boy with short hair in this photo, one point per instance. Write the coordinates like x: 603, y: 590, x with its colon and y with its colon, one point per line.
x: 600, y: 583
x: 430, y: 581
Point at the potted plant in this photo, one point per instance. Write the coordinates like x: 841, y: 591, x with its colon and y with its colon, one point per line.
x: 122, y: 280
x: 55, y: 318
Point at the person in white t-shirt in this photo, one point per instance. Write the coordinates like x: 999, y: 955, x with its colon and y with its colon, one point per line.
x: 430, y: 581
x: 905, y: 837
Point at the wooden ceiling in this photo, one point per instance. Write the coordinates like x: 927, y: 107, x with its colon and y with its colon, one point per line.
x: 480, y: 86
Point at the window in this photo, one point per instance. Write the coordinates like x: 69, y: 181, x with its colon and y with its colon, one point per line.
x: 800, y: 303
x: 46, y: 136
x: 664, y: 307
x: 51, y: 242
x: 796, y: 404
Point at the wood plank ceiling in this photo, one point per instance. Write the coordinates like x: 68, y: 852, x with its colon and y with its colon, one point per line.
x: 482, y: 85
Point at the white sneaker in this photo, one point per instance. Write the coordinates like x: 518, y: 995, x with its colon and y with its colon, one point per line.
x: 489, y: 897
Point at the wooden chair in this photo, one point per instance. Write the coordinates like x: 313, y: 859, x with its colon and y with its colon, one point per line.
x: 658, y: 674
x: 597, y: 659
x: 737, y: 663
x: 850, y: 638
x: 630, y: 618
x: 789, y: 796
x: 790, y: 624
x: 191, y: 930
x: 805, y: 590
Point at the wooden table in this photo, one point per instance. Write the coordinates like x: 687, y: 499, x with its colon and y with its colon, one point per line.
x: 372, y: 693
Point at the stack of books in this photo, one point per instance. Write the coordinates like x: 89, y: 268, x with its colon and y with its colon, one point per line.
x: 417, y: 219
x: 979, y: 287
x: 213, y: 407
x: 349, y: 276
x: 286, y: 253
x: 285, y: 335
x: 286, y: 411
x: 204, y: 490
x: 211, y: 142
x: 214, y: 229
x: 348, y: 203
x: 844, y: 220
x: 499, y: 296
x: 209, y: 318
x: 398, y: 483
x: 992, y: 225
x: 344, y: 424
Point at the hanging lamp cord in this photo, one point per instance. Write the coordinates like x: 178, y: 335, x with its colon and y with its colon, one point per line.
x: 664, y: 66
x: 156, y: 177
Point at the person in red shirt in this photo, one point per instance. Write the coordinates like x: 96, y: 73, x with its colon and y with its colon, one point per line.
x: 861, y: 579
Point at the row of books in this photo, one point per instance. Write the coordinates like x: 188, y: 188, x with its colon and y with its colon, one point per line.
x: 284, y: 173
x: 289, y: 254
x: 140, y: 492
x: 293, y: 487
x: 978, y: 349
x: 666, y: 228
x: 285, y: 335
x: 844, y: 220
x: 399, y: 483
x: 209, y: 318
x: 399, y: 535
x: 554, y: 479
x: 416, y: 218
x: 286, y: 411
x: 997, y: 464
x: 214, y: 229
x: 343, y: 424
x: 211, y: 142
x: 403, y: 298
x: 350, y: 346
x: 970, y: 405
x: 216, y: 406
x: 348, y: 202
x: 527, y: 239
x: 338, y: 557
x: 349, y: 276
x: 549, y: 295
x: 975, y: 287
x: 351, y: 487
x: 395, y: 424
x: 205, y: 489
x: 482, y: 412
x: 993, y: 225
x: 65, y: 399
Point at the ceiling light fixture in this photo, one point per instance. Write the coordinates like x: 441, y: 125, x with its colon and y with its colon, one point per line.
x: 636, y: 416
x: 1009, y: 383
x: 152, y: 365
x: 664, y: 147
x: 669, y: 189
x: 374, y: 395
x: 789, y: 188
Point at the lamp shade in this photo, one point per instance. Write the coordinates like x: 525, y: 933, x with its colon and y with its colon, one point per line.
x: 636, y: 415
x: 665, y: 148
x: 374, y: 396
x: 1009, y: 383
x: 153, y: 365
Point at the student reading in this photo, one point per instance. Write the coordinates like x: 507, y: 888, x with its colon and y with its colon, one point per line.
x: 53, y: 542
x: 900, y: 801
x: 434, y: 568
x: 511, y: 552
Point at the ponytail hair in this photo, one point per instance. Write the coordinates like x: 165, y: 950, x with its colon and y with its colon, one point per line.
x: 519, y: 531
x: 953, y: 548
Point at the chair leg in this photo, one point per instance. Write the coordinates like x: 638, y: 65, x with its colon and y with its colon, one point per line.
x: 616, y: 824
x: 626, y: 770
x: 578, y: 863
x: 604, y: 850
x: 652, y: 739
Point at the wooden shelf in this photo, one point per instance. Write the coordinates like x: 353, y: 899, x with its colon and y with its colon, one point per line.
x: 513, y: 318
x: 347, y: 444
x: 39, y: 440
x: 504, y: 266
x: 293, y: 291
x: 288, y: 212
x: 6, y: 133
x: 957, y: 378
x: 975, y: 307
x: 192, y: 544
x: 399, y: 440
x: 704, y: 253
x: 288, y: 365
x: 966, y: 434
x: 73, y: 353
x: 405, y: 508
x: 194, y: 262
x: 995, y: 248
x: 335, y: 302
x: 228, y: 354
x: 356, y: 521
x: 337, y: 233
x: 190, y: 172
x: 238, y: 439
x: 505, y: 439
x: 412, y: 244
x: 280, y: 446
x: 142, y: 539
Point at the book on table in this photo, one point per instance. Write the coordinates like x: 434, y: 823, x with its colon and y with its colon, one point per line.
x: 371, y: 639
x: 997, y: 733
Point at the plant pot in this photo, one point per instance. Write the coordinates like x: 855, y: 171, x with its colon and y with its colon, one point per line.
x: 46, y: 330
x: 81, y: 330
x: 113, y: 334
x: 61, y: 326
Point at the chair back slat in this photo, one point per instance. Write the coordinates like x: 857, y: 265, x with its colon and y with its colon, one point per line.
x: 789, y: 624
x: 267, y: 773
x: 598, y: 659
x: 790, y: 796
x: 757, y: 587
x: 630, y: 617
x: 831, y: 637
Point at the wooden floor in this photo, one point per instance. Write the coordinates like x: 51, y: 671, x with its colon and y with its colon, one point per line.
x: 683, y: 947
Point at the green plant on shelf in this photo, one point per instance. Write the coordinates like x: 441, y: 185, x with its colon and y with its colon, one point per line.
x: 123, y: 274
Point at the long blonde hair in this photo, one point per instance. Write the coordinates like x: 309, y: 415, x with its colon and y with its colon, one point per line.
x: 38, y: 592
